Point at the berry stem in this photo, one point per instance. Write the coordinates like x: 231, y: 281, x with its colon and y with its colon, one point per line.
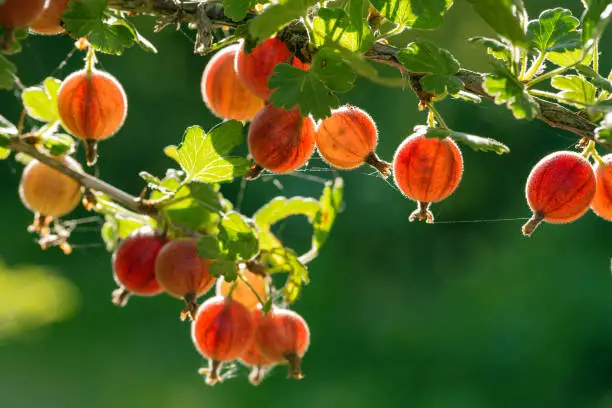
x: 251, y: 288
x: 90, y: 59
x: 591, y: 151
x: 382, y: 166
x: 530, y: 226
x: 437, y: 115
x: 254, y: 172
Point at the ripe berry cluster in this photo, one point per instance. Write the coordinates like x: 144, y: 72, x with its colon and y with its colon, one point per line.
x: 228, y: 326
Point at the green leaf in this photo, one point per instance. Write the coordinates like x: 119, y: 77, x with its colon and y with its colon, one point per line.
x: 555, y: 30
x: 476, y: 143
x: 594, y: 21
x: 575, y: 88
x: 334, y: 25
x: 280, y: 208
x: 236, y: 9
x: 7, y: 128
x: 277, y: 15
x: 18, y: 34
x: 58, y: 143
x: 284, y: 260
x: 117, y: 227
x: 596, y: 79
x: 567, y: 58
x: 604, y: 132
x: 224, y: 267
x: 426, y: 57
x: 329, y: 66
x: 40, y: 102
x: 137, y: 37
x: 506, y: 17
x: 330, y: 204
x: 295, y: 87
x: 420, y: 14
x: 364, y: 68
x: 494, y: 47
x: 7, y: 73
x: 357, y: 11
x: 208, y: 247
x: 202, y: 156
x: 238, y: 237
x: 4, y: 153
x: 505, y: 88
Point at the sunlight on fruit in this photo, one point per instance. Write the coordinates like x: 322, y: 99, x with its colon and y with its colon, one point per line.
x: 32, y: 297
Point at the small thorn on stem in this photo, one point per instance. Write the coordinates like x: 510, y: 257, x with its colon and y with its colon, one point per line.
x: 295, y: 366
x: 382, y: 166
x: 254, y: 172
x: 530, y: 226
x: 120, y: 296
x: 190, y: 310
x: 422, y: 213
x: 91, y: 151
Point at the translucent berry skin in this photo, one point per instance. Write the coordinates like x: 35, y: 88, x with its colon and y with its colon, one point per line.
x: 134, y: 262
x: 47, y: 191
x: 20, y: 13
x: 48, y: 22
x: 222, y: 329
x: 347, y: 137
x: 559, y: 189
x: 252, y: 357
x: 427, y: 171
x: 281, y: 141
x: 602, y: 201
x: 283, y: 336
x: 223, y: 92
x: 255, y: 68
x: 242, y: 293
x: 92, y: 104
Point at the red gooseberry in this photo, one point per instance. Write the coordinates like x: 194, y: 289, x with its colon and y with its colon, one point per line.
x: 347, y: 139
x: 221, y: 331
x: 427, y: 170
x: 243, y: 293
x: 223, y: 92
x: 20, y: 13
x: 48, y: 192
x: 559, y: 189
x: 253, y: 358
x: 283, y: 336
x: 92, y: 106
x: 602, y: 202
x: 183, y: 274
x: 48, y: 22
x: 281, y: 141
x: 134, y: 265
x: 255, y: 68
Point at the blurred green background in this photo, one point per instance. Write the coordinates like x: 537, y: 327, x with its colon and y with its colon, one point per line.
x: 454, y: 315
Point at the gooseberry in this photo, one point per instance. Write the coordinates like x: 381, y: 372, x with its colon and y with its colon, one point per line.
x: 559, y: 189
x: 183, y: 274
x: 283, y: 336
x: 92, y: 106
x: 223, y: 328
x: 602, y: 202
x: 255, y: 68
x: 427, y: 170
x: 347, y: 139
x: 48, y: 192
x: 281, y: 140
x: 48, y: 22
x: 20, y: 13
x: 241, y: 292
x: 253, y: 358
x: 134, y: 265
x: 223, y: 92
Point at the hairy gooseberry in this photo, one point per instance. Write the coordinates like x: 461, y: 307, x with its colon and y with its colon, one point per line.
x: 223, y: 92
x: 134, y: 265
x: 427, y: 170
x: 347, y: 139
x: 241, y: 292
x: 20, y: 13
x: 48, y: 22
x: 283, y: 336
x: 602, y: 202
x: 183, y: 274
x: 559, y: 189
x: 255, y: 68
x: 253, y: 358
x: 92, y: 106
x: 221, y: 331
x: 281, y: 140
x: 48, y: 192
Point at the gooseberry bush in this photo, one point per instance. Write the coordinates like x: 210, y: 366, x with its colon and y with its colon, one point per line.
x: 274, y: 78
